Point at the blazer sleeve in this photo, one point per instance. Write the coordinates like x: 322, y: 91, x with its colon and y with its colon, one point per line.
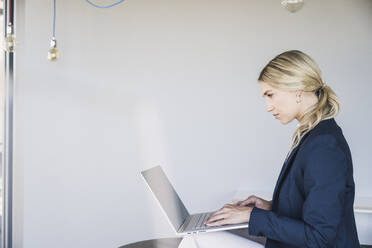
x: 325, y: 174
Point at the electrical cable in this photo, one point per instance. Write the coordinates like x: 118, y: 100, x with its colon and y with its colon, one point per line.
x: 10, y: 12
x: 54, y: 20
x: 104, y: 7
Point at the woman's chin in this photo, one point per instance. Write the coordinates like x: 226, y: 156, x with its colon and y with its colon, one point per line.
x: 284, y: 121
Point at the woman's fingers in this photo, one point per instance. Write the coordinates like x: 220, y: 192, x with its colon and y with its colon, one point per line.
x: 220, y: 213
x: 257, y: 202
x: 216, y: 218
x: 230, y: 214
x: 250, y: 200
x: 218, y: 222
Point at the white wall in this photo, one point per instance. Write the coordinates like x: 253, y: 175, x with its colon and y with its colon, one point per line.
x: 166, y: 82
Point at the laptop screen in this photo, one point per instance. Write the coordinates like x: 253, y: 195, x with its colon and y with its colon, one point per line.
x: 166, y: 195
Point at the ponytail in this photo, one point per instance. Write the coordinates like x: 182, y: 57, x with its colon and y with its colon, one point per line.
x: 327, y: 107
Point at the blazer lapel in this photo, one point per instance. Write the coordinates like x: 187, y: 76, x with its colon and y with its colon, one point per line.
x: 285, y: 167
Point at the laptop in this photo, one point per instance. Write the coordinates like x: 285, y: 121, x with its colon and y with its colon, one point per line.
x: 179, y: 218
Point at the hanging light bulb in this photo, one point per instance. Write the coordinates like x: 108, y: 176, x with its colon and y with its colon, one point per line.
x: 10, y: 41
x: 53, y: 53
x: 292, y: 5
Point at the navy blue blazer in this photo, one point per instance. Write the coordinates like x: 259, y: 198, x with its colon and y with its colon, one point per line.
x: 314, y: 195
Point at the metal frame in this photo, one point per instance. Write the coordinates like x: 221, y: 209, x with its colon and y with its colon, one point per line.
x: 7, y: 158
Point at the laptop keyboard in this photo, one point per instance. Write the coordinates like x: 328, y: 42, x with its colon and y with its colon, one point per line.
x: 197, y: 222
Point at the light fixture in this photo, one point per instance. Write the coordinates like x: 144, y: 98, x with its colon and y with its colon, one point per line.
x: 292, y: 5
x: 53, y: 53
x: 10, y: 41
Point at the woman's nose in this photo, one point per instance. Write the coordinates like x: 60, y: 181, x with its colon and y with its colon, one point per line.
x: 269, y: 108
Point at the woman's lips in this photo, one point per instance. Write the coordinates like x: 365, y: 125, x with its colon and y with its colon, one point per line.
x: 276, y: 116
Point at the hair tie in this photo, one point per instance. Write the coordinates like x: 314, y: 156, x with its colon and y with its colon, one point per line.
x: 320, y: 90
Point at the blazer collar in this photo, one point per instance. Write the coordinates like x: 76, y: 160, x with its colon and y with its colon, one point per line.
x: 329, y: 123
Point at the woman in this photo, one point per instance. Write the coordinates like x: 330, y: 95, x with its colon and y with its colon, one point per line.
x: 312, y: 204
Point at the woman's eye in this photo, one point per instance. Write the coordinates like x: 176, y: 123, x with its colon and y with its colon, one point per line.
x: 270, y: 95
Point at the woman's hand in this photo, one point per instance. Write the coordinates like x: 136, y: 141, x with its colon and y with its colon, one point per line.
x: 257, y: 202
x: 230, y: 214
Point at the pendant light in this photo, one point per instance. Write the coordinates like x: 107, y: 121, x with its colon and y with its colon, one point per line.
x: 53, y: 53
x: 10, y: 40
x: 292, y: 5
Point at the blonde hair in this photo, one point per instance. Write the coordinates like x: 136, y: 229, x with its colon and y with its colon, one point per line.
x: 295, y: 70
